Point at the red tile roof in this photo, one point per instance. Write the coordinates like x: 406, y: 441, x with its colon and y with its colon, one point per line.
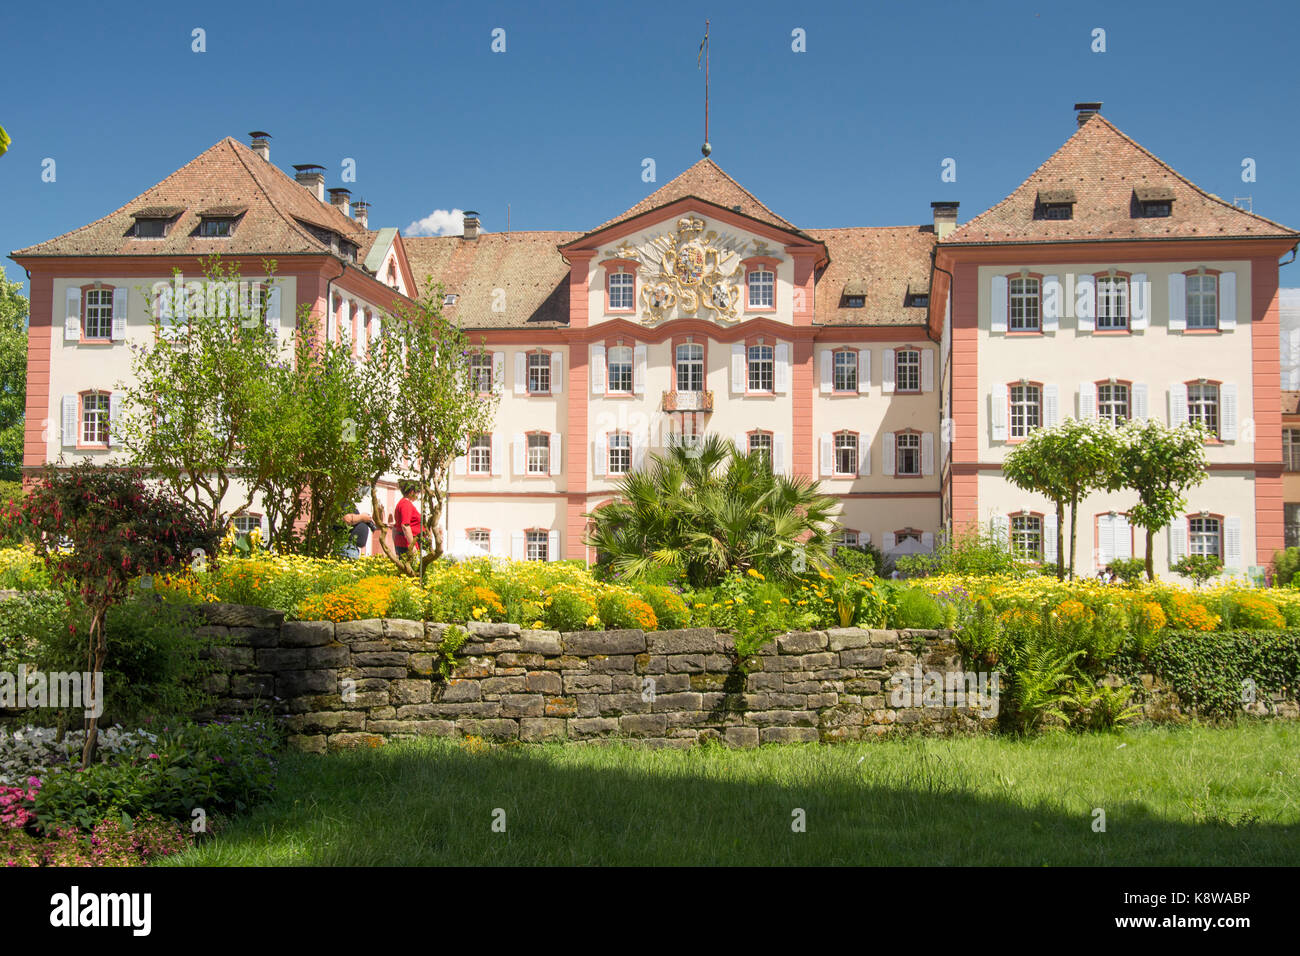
x: 886, y: 261
x: 1107, y: 171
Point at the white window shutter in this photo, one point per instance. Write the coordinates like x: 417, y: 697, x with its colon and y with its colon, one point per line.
x: 887, y: 374
x: 119, y: 313
x: 1227, y: 300
x: 114, y: 419
x: 737, y: 368
x: 781, y: 371
x: 273, y: 315
x: 1141, y: 404
x: 825, y: 363
x: 598, y: 370
x: 927, y: 540
x: 864, y: 537
x: 864, y: 370
x: 887, y: 541
x: 638, y: 450
x: 1123, y: 532
x: 1049, y: 538
x: 461, y: 464
x: 498, y: 370
x: 1052, y: 302
x: 69, y: 421
x: 521, y: 373
x: 1228, y: 412
x: 600, y: 456
x: 998, y: 304
x: 927, y: 370
x: 779, y: 465
x: 1177, y: 541
x: 1002, y: 528
x: 556, y: 449
x: 498, y: 455
x: 638, y: 369
x: 494, y: 542
x: 998, y: 413
x: 864, y: 457
x: 1085, y: 303
x: 1177, y: 404
x: 1105, y: 548
x: 519, y: 444
x: 1232, y: 543
x: 1177, y: 301
x: 517, y: 545
x: 828, y: 455
x: 742, y: 442
x: 72, y: 316
x: 1087, y: 399
x: 552, y: 545
x: 927, y: 453
x: 1051, y: 405
x: 887, y: 453
x: 1139, y: 301
x: 557, y: 373
x: 264, y: 526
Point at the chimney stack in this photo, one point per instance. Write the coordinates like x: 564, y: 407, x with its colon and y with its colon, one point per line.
x: 312, y: 177
x: 341, y: 196
x: 1086, y: 111
x: 361, y: 213
x: 471, y: 224
x: 945, y: 217
x: 261, y: 144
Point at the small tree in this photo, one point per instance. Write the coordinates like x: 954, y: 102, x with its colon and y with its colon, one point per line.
x: 13, y: 376
x: 97, y: 529
x: 1066, y: 463
x: 1199, y: 567
x: 1161, y: 464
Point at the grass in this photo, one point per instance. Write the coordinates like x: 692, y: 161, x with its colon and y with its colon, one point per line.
x: 1171, y: 796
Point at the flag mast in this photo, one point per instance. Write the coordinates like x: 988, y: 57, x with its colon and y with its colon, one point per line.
x: 704, y: 52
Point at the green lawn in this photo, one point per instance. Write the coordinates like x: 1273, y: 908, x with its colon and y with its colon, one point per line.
x: 1190, y: 795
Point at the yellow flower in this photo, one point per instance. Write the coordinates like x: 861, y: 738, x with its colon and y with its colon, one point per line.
x: 701, y: 605
x: 785, y: 600
x: 754, y: 574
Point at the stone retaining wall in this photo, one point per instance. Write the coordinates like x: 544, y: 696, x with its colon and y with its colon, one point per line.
x: 359, y: 682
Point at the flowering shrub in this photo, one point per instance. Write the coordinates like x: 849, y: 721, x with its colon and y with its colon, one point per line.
x: 37, y: 751
x: 111, y: 842
x: 22, y: 570
x: 16, y: 804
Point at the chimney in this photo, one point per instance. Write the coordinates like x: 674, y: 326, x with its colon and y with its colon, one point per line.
x: 1086, y: 111
x: 312, y: 177
x: 471, y: 224
x: 341, y: 196
x: 261, y: 144
x: 945, y: 217
x: 361, y: 213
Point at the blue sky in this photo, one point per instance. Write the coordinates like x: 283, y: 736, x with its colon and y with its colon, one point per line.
x: 851, y: 132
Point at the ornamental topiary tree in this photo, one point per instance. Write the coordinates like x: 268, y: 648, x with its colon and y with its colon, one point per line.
x: 97, y: 529
x: 1161, y: 464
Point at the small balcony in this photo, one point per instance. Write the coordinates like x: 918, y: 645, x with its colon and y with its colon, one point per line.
x: 688, y: 401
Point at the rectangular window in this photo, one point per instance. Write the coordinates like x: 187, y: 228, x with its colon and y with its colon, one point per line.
x: 690, y: 368
x: 1203, y: 406
x: 539, y: 454
x: 480, y: 372
x: 539, y: 373
x: 1202, y: 302
x: 1203, y: 537
x: 620, y: 453
x: 1291, y: 525
x: 846, y: 454
x: 761, y: 286
x: 1027, y: 537
x: 907, y: 447
x: 620, y: 369
x: 1024, y: 311
x: 480, y: 455
x: 481, y: 537
x: 539, y: 546
x: 216, y: 228
x: 94, y: 419
x: 760, y: 443
x: 1112, y: 303
x: 1291, y: 449
x: 846, y: 371
x: 761, y: 368
x: 1026, y: 409
x: 247, y: 524
x: 907, y: 370
x: 622, y: 286
x: 99, y: 314
x: 845, y: 539
x: 150, y: 228
x: 1112, y: 402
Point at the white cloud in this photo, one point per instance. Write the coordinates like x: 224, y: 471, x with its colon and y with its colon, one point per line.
x: 440, y: 222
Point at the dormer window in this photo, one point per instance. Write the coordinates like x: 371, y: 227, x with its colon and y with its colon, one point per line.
x: 855, y: 301
x: 1054, y: 204
x: 153, y: 222
x: 450, y: 298
x: 151, y: 228
x: 1156, y: 209
x: 854, y: 295
x: 216, y: 227
x: 1153, y: 202
x: 918, y: 296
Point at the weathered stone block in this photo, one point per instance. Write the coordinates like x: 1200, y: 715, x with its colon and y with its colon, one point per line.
x: 695, y: 640
x: 331, y: 655
x: 240, y: 615
x: 546, y: 643
x: 253, y: 636
x: 544, y: 682
x: 423, y: 728
x: 580, y: 683
x: 399, y: 630
x: 510, y: 659
x: 580, y: 727
x: 538, y: 729
x: 458, y: 690
x: 367, y: 631
x: 689, y: 700
x: 308, y: 743
x: 561, y: 707
x: 500, y: 729
x: 381, y: 659
x: 844, y: 638
x: 252, y: 685
x: 349, y: 741
x: 612, y: 705
x: 410, y: 692
x: 505, y: 685
x: 234, y: 658
x: 522, y: 705
x: 616, y: 664
x: 485, y: 629
x: 685, y: 663
x: 801, y: 642
x: 604, y: 642
x: 306, y: 633
x: 281, y: 658
x: 871, y: 657
x: 881, y: 638
x: 299, y: 683
x: 741, y: 736
x: 788, y: 735
x: 643, y: 725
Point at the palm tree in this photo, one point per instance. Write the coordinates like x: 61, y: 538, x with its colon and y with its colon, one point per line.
x: 703, y: 511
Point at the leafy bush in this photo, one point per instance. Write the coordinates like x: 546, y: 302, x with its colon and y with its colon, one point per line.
x: 566, y: 608
x: 669, y: 609
x: 913, y: 607
x: 1248, y: 610
x: 112, y: 842
x: 22, y: 570
x: 619, y: 608
x: 862, y: 560
x: 1199, y: 567
x: 981, y: 552
x: 1128, y: 570
x: 1285, y: 565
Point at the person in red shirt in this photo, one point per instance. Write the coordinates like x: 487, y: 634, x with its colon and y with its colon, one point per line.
x: 406, y: 520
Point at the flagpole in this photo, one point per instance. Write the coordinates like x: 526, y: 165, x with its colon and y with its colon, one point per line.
x: 707, y: 147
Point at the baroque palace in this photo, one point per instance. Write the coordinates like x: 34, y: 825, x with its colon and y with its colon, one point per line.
x: 897, y: 365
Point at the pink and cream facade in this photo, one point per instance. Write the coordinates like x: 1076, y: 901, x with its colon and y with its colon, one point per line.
x: 896, y: 365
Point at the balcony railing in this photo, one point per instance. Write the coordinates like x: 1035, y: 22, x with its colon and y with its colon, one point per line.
x: 688, y: 401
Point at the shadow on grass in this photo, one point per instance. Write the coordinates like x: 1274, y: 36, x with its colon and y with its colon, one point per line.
x: 434, y: 803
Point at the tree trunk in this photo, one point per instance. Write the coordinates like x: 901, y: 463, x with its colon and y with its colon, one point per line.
x: 1150, y: 561
x: 99, y: 650
x: 1074, y: 518
x: 1060, y: 541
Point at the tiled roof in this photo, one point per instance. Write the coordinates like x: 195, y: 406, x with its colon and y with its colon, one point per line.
x: 884, y: 259
x: 1108, y: 172
x: 705, y: 180
x: 227, y: 176
x: 526, y: 266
